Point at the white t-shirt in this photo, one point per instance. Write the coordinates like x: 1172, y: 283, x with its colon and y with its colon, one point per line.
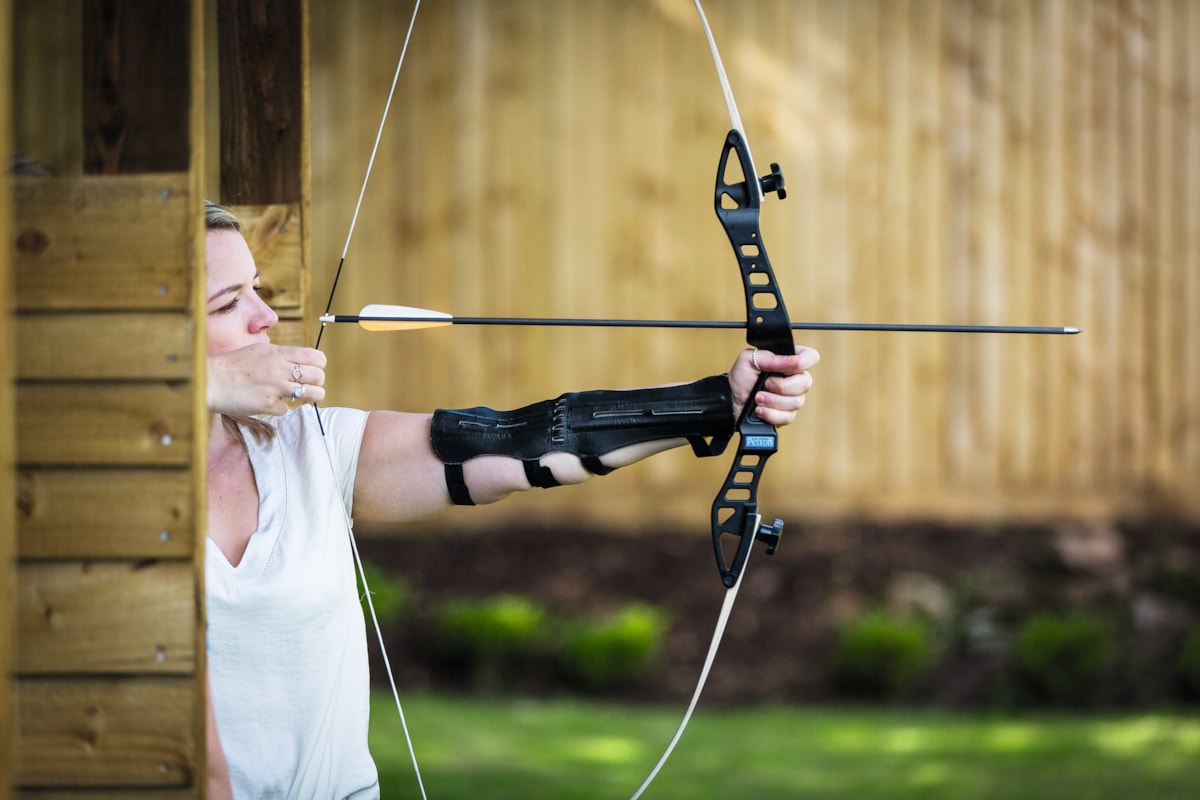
x: 287, y: 649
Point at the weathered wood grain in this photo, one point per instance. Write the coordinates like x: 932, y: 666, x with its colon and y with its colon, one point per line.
x: 128, y: 424
x: 275, y: 236
x: 104, y: 346
x: 136, y: 89
x: 105, y: 732
x: 74, y: 250
x: 106, y: 617
x: 7, y: 417
x: 263, y: 100
x: 105, y: 513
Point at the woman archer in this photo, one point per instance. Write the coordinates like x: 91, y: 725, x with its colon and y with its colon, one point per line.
x: 287, y: 651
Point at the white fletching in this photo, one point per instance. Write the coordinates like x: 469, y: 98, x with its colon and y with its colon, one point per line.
x: 379, y: 317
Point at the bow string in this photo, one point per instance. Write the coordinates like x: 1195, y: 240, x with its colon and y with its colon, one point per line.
x: 362, y: 575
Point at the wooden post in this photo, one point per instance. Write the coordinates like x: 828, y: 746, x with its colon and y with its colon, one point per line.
x: 107, y: 251
x: 8, y: 535
x: 106, y: 386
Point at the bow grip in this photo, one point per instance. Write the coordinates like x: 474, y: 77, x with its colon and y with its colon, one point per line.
x: 735, y: 508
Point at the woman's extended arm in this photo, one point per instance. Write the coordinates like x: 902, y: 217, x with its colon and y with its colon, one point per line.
x: 400, y: 478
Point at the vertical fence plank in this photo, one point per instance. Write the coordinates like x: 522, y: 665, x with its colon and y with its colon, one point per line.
x: 894, y: 445
x: 832, y: 258
x: 1189, y: 266
x: 1078, y: 230
x: 1051, y: 254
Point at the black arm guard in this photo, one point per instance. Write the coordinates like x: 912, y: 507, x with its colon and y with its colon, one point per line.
x: 586, y: 424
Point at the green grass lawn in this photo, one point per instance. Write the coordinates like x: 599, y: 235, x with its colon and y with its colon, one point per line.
x: 476, y: 748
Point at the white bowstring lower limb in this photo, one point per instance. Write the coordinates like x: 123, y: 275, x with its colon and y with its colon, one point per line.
x: 718, y: 634
x: 387, y: 664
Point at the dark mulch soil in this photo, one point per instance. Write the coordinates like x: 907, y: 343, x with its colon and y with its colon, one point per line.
x: 976, y: 585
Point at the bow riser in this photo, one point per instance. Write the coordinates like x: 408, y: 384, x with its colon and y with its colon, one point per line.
x: 735, y: 508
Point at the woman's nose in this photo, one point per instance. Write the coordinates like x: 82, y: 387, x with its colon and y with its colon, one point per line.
x: 264, y: 316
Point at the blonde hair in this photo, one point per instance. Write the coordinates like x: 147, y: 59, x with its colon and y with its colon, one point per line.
x: 219, y: 218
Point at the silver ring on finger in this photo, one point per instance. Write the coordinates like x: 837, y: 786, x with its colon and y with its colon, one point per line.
x: 754, y: 360
x: 297, y: 373
x: 298, y: 392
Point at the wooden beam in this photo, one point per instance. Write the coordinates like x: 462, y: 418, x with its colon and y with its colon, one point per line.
x: 119, y: 424
x: 47, y: 98
x: 106, y: 617
x: 275, y: 234
x: 105, y: 513
x: 136, y: 87
x: 196, y: 725
x: 103, y: 346
x: 100, y: 732
x: 7, y: 422
x: 293, y: 332
x: 95, y: 243
x: 263, y: 100
x: 128, y: 793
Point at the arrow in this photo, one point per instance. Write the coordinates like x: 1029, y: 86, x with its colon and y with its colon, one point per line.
x: 377, y: 317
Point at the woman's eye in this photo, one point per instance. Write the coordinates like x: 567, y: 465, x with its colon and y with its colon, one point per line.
x: 230, y: 306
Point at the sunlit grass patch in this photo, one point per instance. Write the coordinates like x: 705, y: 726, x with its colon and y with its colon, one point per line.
x: 499, y: 749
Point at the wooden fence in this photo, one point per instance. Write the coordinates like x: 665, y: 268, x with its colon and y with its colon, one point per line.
x: 1000, y: 161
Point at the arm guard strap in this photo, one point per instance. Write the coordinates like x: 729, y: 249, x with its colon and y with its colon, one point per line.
x: 586, y: 424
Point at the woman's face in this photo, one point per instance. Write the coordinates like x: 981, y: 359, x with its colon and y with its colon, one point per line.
x: 237, y: 316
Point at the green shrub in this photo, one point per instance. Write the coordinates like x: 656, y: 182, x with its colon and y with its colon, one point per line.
x: 1189, y: 663
x: 605, y: 654
x: 1064, y: 658
x: 390, y: 594
x: 490, y: 636
x: 882, y: 657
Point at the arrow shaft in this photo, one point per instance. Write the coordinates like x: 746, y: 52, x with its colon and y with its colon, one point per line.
x: 568, y: 322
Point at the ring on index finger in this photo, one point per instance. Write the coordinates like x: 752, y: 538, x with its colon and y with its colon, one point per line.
x: 298, y: 392
x: 297, y: 373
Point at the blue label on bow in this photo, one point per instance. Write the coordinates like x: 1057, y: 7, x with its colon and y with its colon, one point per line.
x: 759, y: 443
